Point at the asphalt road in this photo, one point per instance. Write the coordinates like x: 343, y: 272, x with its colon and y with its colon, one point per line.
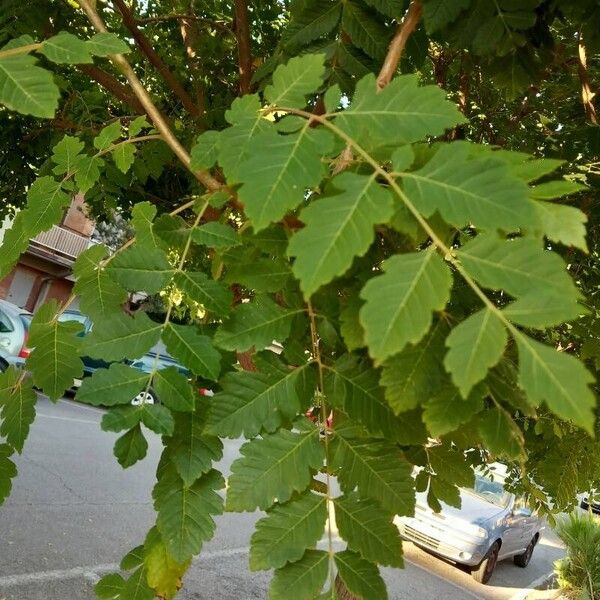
x: 74, y: 513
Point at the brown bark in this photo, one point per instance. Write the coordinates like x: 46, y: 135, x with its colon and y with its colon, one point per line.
x: 405, y: 29
x: 114, y: 86
x: 190, y: 35
x: 156, y: 61
x: 587, y: 96
x: 242, y: 34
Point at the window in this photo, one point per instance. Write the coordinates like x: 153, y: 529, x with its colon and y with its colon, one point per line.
x: 5, y: 324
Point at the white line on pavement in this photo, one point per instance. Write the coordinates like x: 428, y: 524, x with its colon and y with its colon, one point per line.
x: 522, y: 594
x: 92, y: 573
x: 82, y: 406
x: 39, y: 414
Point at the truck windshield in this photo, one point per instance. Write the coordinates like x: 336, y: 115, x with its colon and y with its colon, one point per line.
x: 488, y: 490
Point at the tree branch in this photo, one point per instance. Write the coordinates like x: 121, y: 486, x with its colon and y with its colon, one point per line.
x: 113, y: 85
x: 587, y: 96
x: 405, y: 29
x: 242, y: 35
x: 146, y: 47
x: 158, y: 120
x: 189, y: 34
x: 222, y: 25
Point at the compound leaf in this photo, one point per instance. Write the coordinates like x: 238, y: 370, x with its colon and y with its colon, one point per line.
x: 301, y: 579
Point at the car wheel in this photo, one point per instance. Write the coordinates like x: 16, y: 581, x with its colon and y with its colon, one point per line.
x: 522, y: 560
x: 145, y: 397
x: 3, y: 365
x: 484, y: 571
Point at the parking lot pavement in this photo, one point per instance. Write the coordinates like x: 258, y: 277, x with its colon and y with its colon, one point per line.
x: 74, y: 513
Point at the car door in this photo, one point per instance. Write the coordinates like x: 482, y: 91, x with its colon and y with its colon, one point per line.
x: 8, y: 335
x: 512, y: 538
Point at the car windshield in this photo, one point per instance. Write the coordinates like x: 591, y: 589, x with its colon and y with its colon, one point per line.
x: 490, y: 490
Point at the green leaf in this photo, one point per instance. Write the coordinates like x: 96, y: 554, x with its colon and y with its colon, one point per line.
x: 99, y: 295
x: 292, y: 82
x: 8, y: 471
x: 110, y: 587
x: 173, y: 389
x: 402, y: 113
x: 134, y: 558
x: 262, y: 275
x: 480, y: 191
x: 526, y: 271
x: 124, y: 156
x: 204, y: 151
x: 301, y: 579
x: 313, y: 20
x: 417, y: 373
x: 500, y: 434
x: 158, y: 418
x: 131, y: 447
x: 564, y: 224
x: 17, y: 400
x: 137, y: 125
x: 141, y: 268
x: 368, y: 530
x: 142, y: 217
x: 273, y: 188
x: 399, y: 304
x: 137, y: 588
x: 107, y: 136
x: 255, y: 325
x: 350, y: 327
x: 474, y: 346
x: 339, y: 227
x: 361, y: 577
x: 558, y: 379
x: 447, y: 410
x: 287, y: 531
x: 121, y: 337
x: 451, y: 466
x: 237, y: 143
x: 104, y: 44
x: 550, y: 190
x: 54, y: 362
x: 122, y: 418
x: 163, y: 572
x: 87, y: 172
x: 191, y: 450
x: 185, y: 512
x: 193, y: 350
x: 377, y: 470
x: 353, y: 386
x: 389, y: 8
x: 274, y: 467
x: 213, y: 295
x: 439, y: 13
x: 119, y: 384
x: 365, y: 30
x: 66, y: 48
x: 215, y: 235
x: 251, y: 402
x: 66, y: 153
x: 27, y: 88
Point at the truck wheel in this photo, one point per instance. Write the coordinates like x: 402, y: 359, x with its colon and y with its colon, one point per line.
x: 484, y: 571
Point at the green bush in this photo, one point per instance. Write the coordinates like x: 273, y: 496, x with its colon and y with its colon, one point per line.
x: 579, y: 571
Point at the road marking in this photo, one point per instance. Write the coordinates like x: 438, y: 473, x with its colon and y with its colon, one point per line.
x: 82, y: 406
x: 92, y: 573
x: 442, y: 578
x: 39, y: 414
x: 522, y: 594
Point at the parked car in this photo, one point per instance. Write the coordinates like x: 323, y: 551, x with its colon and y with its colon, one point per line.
x: 592, y: 504
x: 492, y: 524
x: 14, y: 330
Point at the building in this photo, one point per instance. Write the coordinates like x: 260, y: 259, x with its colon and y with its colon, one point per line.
x: 44, y: 271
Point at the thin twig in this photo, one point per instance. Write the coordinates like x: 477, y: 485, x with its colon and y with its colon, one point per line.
x: 405, y: 29
x: 222, y: 25
x: 204, y: 177
x: 20, y: 50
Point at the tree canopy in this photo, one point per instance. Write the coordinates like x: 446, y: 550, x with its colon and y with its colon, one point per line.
x: 401, y: 194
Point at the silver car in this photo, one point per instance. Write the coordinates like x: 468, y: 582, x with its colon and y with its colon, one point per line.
x: 492, y: 524
x: 14, y: 328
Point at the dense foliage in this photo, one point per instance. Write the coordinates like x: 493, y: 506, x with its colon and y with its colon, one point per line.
x: 380, y: 221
